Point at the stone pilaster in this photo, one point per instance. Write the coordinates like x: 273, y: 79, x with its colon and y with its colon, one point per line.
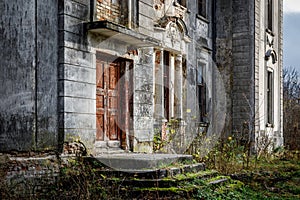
x: 178, y: 87
x: 159, y: 88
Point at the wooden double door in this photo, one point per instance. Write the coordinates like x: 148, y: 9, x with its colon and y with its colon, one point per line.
x: 114, y: 85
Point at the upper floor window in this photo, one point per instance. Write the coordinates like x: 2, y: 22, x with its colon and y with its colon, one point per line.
x: 270, y: 15
x: 270, y: 99
x: 201, y: 90
x: 120, y: 12
x: 202, y: 8
x: 182, y: 2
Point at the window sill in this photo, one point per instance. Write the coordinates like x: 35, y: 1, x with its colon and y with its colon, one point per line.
x: 202, y: 18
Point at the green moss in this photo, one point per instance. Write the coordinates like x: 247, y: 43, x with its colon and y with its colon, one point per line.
x: 168, y: 189
x: 217, y: 178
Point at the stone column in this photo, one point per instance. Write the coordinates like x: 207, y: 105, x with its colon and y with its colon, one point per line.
x: 178, y: 87
x: 143, y: 100
x: 159, y: 86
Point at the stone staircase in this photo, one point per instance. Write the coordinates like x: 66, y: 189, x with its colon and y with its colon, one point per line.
x: 114, y: 176
x: 161, y: 176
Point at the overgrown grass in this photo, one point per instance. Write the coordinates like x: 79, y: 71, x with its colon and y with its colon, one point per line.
x: 273, y: 176
x: 269, y: 175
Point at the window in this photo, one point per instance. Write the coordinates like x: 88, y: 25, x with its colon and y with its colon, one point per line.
x: 270, y: 97
x: 270, y: 15
x: 166, y: 77
x: 202, y: 8
x: 182, y: 2
x: 201, y: 90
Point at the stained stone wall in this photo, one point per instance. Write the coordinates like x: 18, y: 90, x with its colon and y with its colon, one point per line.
x: 48, y: 70
x: 240, y: 47
x: 143, y: 101
x: 28, y: 75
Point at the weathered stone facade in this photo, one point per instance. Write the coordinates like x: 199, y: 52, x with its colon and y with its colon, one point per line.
x: 28, y: 75
x: 112, y: 73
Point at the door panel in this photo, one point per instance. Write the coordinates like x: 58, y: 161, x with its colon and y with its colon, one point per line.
x: 100, y: 100
x: 111, y: 100
x: 100, y: 127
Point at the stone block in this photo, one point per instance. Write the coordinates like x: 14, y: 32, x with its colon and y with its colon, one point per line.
x: 86, y: 136
x: 143, y: 147
x: 77, y: 74
x: 144, y: 71
x: 142, y: 84
x: 147, y: 10
x: 70, y: 24
x: 143, y: 110
x: 143, y: 135
x: 78, y: 105
x: 173, y: 171
x: 78, y: 8
x: 145, y: 124
x: 147, y: 2
x: 79, y: 121
x: 73, y: 41
x: 77, y: 89
x: 75, y: 57
x: 141, y: 97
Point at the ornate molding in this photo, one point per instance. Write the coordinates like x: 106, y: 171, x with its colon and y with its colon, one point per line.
x: 270, y: 40
x: 173, y: 33
x: 271, y: 54
x: 163, y: 22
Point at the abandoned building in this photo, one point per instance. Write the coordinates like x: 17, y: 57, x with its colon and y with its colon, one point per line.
x: 113, y: 73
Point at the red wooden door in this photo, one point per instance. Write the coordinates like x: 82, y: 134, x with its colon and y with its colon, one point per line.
x: 107, y: 95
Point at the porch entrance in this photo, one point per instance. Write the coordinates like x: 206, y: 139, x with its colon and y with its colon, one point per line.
x: 112, y: 100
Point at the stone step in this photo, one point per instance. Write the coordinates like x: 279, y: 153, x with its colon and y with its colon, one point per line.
x: 166, y: 182
x: 139, y: 162
x: 218, y: 181
x: 153, y: 174
x: 174, y: 179
x: 182, y: 188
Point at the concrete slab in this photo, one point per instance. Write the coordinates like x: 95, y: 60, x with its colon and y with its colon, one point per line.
x: 140, y: 162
